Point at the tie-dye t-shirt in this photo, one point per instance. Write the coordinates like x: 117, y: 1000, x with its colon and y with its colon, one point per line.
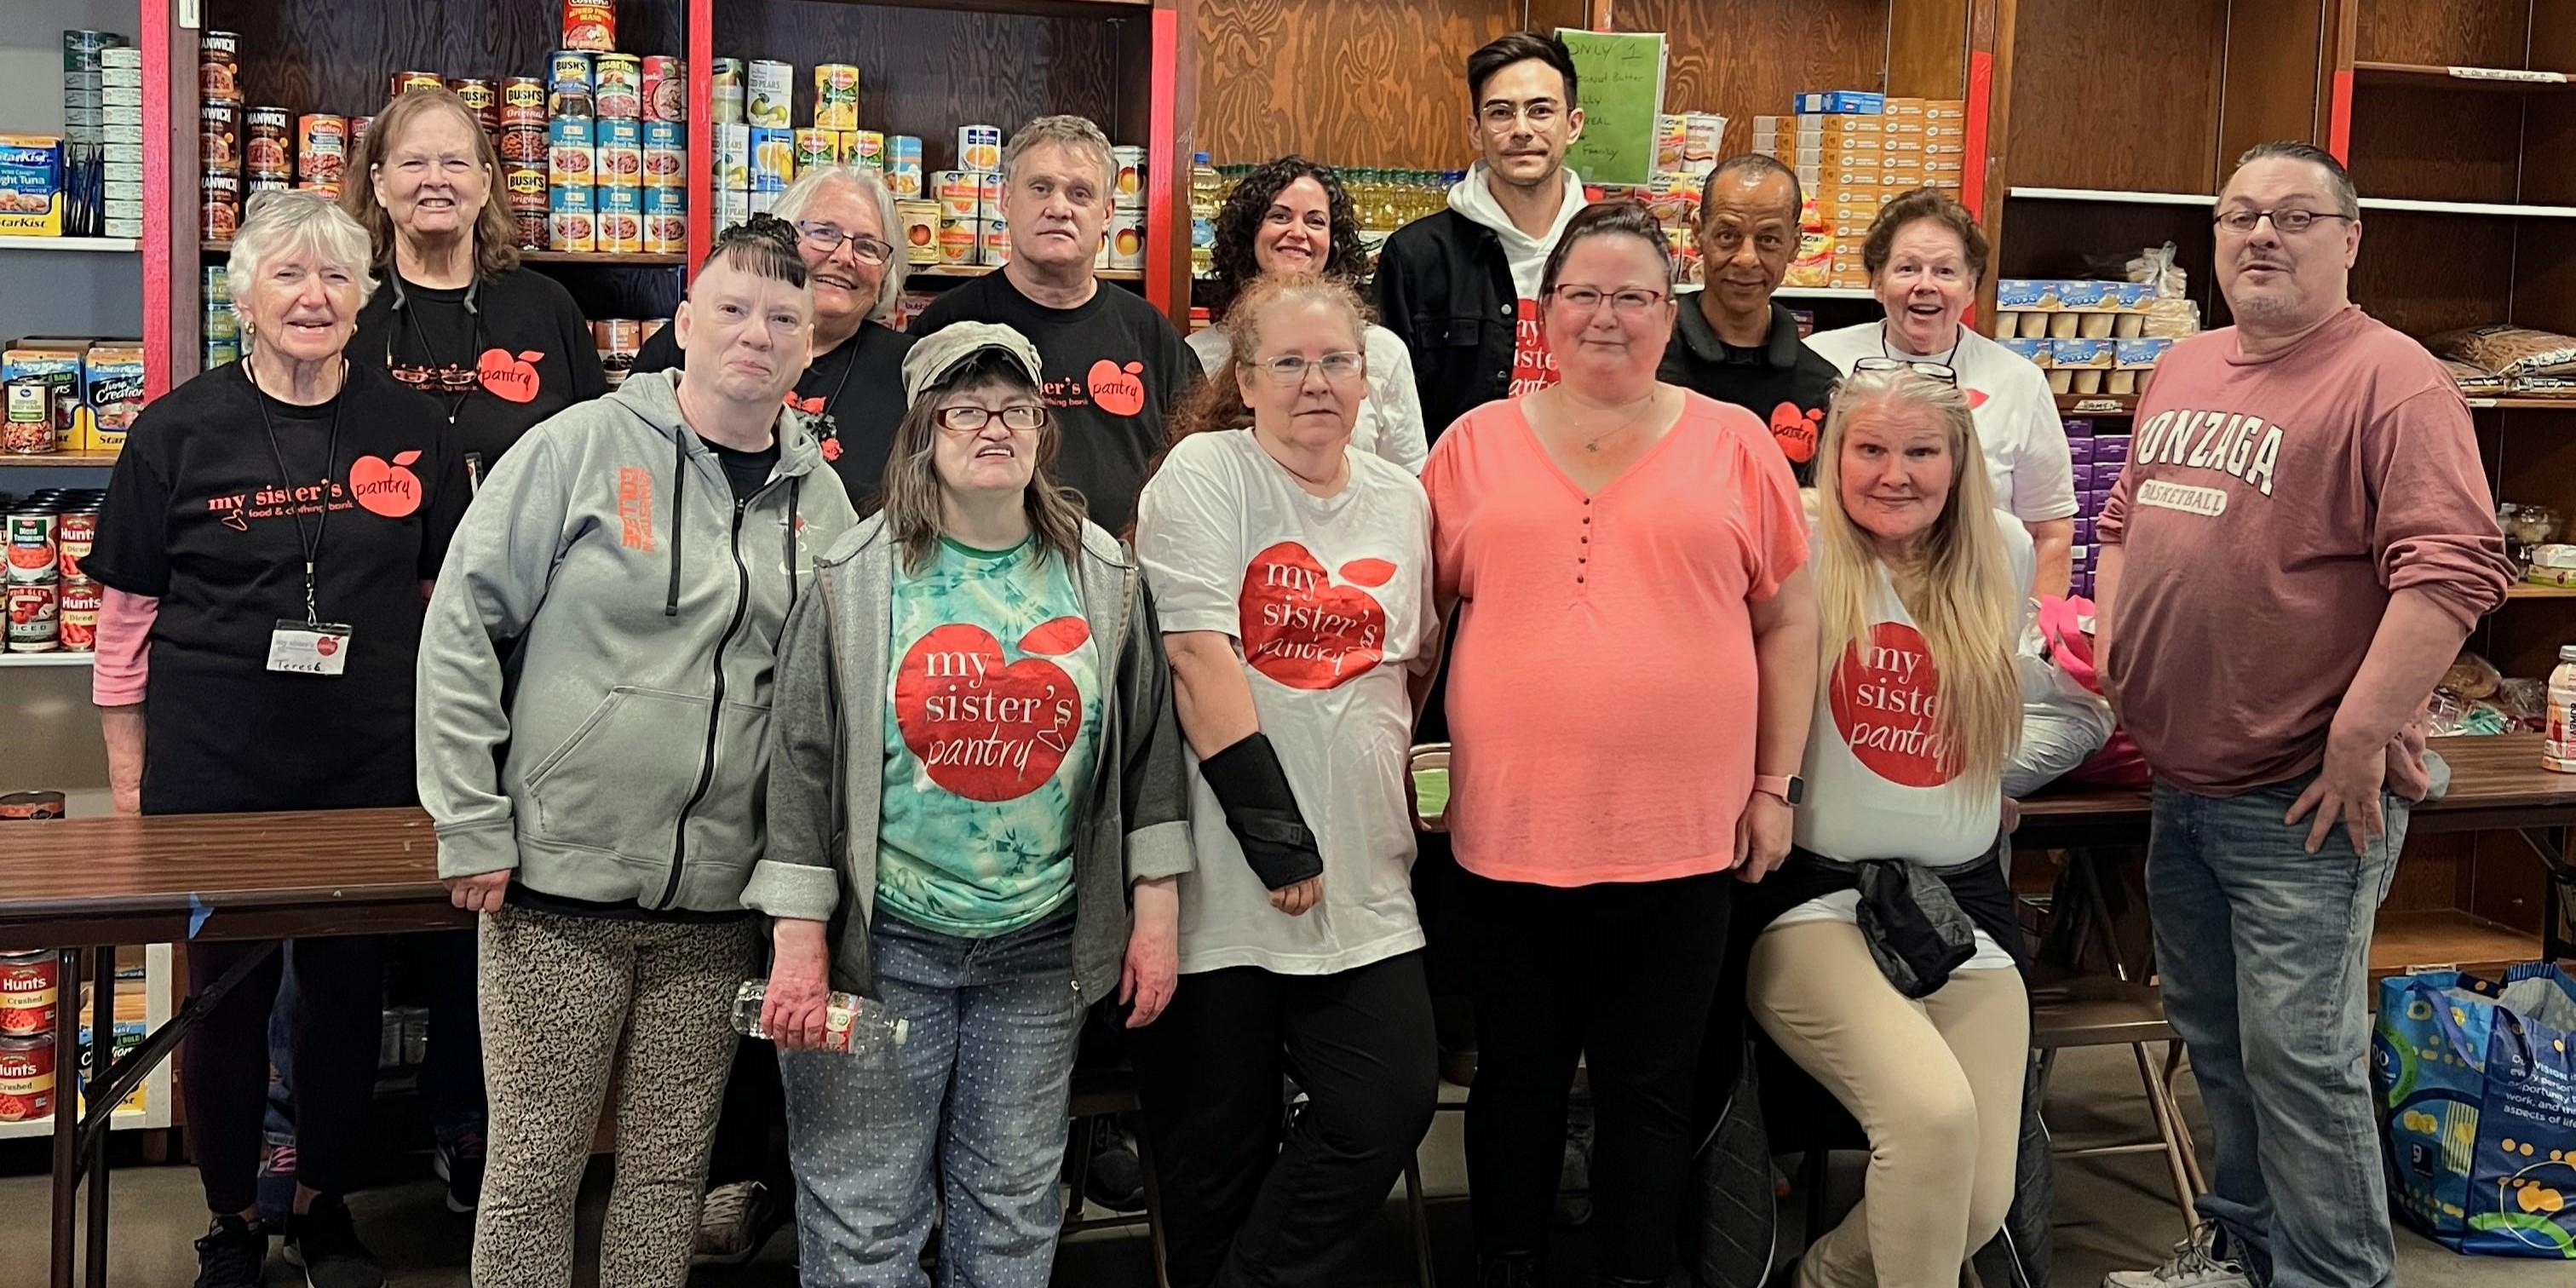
x: 990, y: 735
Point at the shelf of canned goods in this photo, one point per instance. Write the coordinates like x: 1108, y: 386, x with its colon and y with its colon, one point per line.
x: 32, y: 1072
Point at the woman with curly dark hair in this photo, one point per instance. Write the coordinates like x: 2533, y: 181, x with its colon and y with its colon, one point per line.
x: 1291, y: 217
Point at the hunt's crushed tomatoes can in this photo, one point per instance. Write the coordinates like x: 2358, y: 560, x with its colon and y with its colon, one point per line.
x: 30, y: 990
x: 26, y: 1079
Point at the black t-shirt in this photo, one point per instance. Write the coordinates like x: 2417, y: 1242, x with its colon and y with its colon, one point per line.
x: 1784, y: 382
x: 747, y: 472
x: 523, y: 353
x: 1115, y: 371
x: 198, y: 516
x: 854, y: 395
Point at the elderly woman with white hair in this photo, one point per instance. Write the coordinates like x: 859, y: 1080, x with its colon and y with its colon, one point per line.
x: 853, y: 388
x: 265, y: 548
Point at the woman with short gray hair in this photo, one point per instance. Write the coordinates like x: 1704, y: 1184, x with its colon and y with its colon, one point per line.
x: 264, y: 548
x: 853, y: 389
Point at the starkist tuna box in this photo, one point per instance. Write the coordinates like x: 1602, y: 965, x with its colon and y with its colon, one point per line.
x: 31, y: 185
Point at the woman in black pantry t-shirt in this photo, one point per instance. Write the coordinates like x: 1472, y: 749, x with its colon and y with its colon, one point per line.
x: 499, y: 346
x: 216, y: 653
x: 853, y: 387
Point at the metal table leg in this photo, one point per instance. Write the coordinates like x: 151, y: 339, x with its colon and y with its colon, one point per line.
x: 93, y: 1142
x: 66, y: 1120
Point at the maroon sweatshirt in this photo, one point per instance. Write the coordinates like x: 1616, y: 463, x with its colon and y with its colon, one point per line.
x: 2269, y: 509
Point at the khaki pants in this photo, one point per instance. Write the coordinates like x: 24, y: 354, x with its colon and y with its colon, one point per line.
x: 1937, y: 1085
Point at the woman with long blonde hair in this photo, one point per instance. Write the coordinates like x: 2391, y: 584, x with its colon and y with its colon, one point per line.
x: 1919, y: 1025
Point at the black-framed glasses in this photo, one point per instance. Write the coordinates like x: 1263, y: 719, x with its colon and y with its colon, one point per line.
x: 1019, y: 418
x: 2290, y: 222
x: 1338, y: 366
x: 1941, y: 371
x: 827, y: 238
x: 1629, y: 303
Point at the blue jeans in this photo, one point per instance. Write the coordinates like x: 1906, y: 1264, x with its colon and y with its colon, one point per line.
x: 970, y: 1109
x: 2263, y: 950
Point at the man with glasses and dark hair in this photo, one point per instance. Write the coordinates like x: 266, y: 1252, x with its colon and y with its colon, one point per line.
x: 1730, y: 342
x: 852, y: 390
x: 2301, y: 541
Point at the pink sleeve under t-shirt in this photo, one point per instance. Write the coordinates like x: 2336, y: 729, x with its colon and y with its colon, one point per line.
x: 1602, y: 697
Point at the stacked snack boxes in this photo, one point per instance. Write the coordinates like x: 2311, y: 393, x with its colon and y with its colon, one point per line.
x: 2089, y: 336
x: 95, y: 389
x: 1854, y: 152
x: 1687, y: 149
x: 572, y: 152
x: 1123, y: 246
x: 2098, y: 459
x: 102, y: 135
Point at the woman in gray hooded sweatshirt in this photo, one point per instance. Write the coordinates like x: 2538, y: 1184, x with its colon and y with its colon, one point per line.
x: 975, y: 768
x: 594, y: 710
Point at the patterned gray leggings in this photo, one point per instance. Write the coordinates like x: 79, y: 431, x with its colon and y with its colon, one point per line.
x: 563, y: 999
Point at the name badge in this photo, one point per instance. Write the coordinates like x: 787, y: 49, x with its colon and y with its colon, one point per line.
x: 309, y: 648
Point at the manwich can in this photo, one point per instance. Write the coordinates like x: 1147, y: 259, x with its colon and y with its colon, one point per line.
x: 268, y: 143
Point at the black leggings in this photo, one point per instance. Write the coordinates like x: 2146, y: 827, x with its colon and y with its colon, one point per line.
x: 1241, y: 1204
x: 223, y: 1069
x: 1620, y: 976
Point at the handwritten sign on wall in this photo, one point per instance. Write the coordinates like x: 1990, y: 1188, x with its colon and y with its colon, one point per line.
x: 1620, y: 85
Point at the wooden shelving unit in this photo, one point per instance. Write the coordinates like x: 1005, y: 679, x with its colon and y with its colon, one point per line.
x: 58, y: 461
x: 2533, y: 590
x: 2500, y: 80
x: 639, y: 259
x: 2097, y: 404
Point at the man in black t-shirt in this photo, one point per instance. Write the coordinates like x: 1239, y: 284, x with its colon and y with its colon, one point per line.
x: 1731, y: 342
x: 1115, y: 368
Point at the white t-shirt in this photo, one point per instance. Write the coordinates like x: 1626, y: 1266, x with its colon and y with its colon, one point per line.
x: 1875, y: 787
x: 1328, y: 600
x: 1390, y: 422
x: 2017, y: 425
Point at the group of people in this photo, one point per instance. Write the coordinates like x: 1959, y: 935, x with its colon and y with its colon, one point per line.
x: 1105, y: 708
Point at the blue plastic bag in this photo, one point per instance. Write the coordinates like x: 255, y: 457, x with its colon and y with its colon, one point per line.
x: 2478, y: 1107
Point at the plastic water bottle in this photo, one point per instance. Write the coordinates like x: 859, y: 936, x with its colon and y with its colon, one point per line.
x: 2558, y: 752
x: 1207, y: 194
x: 852, y: 1025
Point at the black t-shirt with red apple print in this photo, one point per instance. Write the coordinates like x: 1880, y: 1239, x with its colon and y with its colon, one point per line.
x: 524, y: 353
x: 1115, y: 372
x: 198, y: 517
x: 852, y: 395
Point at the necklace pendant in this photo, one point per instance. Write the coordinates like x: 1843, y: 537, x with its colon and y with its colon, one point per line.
x: 1592, y: 447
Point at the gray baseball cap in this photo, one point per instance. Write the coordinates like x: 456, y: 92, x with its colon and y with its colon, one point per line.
x: 942, y: 352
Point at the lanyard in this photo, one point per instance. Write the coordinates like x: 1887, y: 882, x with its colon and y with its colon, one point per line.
x: 1949, y: 359
x: 312, y: 543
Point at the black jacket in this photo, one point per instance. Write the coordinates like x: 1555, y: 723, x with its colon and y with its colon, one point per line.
x: 1445, y: 288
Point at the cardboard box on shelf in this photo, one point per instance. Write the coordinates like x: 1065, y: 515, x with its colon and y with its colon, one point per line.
x: 1841, y: 100
x: 1945, y: 109
x: 31, y: 185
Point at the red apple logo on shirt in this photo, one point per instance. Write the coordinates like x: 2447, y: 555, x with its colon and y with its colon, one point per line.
x: 1301, y: 628
x: 1796, y: 431
x: 1884, y: 698
x: 386, y: 487
x: 510, y: 379
x: 1976, y: 399
x: 1120, y: 391
x: 986, y: 729
x: 325, y: 646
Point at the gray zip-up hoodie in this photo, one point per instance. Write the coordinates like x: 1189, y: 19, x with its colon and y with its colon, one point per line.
x: 827, y: 768
x: 595, y: 673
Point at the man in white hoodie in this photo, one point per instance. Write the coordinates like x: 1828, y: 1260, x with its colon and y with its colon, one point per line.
x: 1460, y: 288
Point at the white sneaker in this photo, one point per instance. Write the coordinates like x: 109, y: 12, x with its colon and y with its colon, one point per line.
x: 733, y: 1222
x: 2195, y: 1264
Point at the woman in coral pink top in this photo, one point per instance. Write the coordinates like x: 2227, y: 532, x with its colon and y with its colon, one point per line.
x: 1633, y: 665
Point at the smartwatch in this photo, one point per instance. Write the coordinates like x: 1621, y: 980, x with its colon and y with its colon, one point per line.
x: 1791, y: 789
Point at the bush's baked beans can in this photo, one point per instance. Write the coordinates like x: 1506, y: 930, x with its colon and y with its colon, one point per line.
x: 218, y: 60
x: 1127, y: 183
x: 568, y: 83
x: 523, y: 145
x: 219, y: 206
x: 621, y: 220
x: 836, y: 96
x: 406, y: 82
x: 589, y: 24
x: 617, y: 86
x: 571, y: 222
x: 30, y: 989
x: 268, y: 143
x: 666, y: 221
x: 817, y: 148
x: 666, y: 88
x: 526, y: 187
x: 572, y: 154
x: 919, y: 223
x: 26, y: 1079
x: 523, y: 101
x: 484, y: 101
x: 993, y: 241
x: 725, y: 82
x: 75, y: 532
x: 79, y: 615
x: 769, y: 91
x: 321, y: 150
x: 620, y: 160
x: 979, y: 147
x: 219, y: 123
x: 35, y: 615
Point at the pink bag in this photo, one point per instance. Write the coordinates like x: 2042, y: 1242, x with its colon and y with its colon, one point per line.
x: 2064, y: 623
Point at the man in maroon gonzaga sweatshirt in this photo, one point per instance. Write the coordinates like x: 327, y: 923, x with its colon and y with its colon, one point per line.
x: 2301, y: 541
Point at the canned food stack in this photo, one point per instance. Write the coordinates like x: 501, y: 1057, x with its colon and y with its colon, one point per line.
x: 52, y: 607
x: 221, y: 329
x: 1123, y: 246
x: 665, y: 156
x: 30, y: 998
x: 618, y: 340
x: 219, y: 135
x: 572, y: 151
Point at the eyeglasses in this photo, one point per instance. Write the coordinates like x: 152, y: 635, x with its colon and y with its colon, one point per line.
x: 1291, y: 368
x: 1018, y: 418
x: 2290, y: 222
x: 826, y: 239
x: 1940, y: 371
x: 1501, y: 115
x: 1627, y: 304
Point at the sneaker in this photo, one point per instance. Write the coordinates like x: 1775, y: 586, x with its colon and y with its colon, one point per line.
x: 2195, y: 1264
x: 324, y: 1243
x: 458, y: 1160
x: 232, y: 1254
x: 1115, y: 1178
x: 734, y: 1220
